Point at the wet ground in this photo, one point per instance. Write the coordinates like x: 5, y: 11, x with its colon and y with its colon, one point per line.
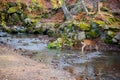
x: 103, y: 65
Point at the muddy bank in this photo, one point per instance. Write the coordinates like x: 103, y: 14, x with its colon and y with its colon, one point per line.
x: 16, y: 67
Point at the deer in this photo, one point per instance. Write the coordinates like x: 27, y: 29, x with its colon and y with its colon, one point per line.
x: 88, y: 42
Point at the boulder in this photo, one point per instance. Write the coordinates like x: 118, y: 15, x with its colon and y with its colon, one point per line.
x: 3, y: 34
x: 116, y: 38
x: 81, y: 35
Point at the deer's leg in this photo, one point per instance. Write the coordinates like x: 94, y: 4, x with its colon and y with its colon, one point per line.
x: 96, y: 47
x: 90, y: 47
x: 83, y: 48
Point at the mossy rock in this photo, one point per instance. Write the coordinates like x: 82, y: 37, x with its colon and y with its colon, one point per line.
x: 30, y: 30
x: 38, y: 30
x: 12, y: 10
x: 84, y: 26
x: 16, y: 18
x: 22, y: 31
x: 50, y: 33
x: 106, y: 38
x: 56, y: 44
x: 6, y: 30
x: 111, y: 33
x: 114, y: 26
x: 14, y: 31
x: 111, y: 20
x: 94, y: 25
x: 108, y: 41
x: 11, y: 4
x: 93, y: 33
x: 52, y: 45
x: 97, y: 23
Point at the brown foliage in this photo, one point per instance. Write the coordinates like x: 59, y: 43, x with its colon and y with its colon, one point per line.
x: 79, y: 16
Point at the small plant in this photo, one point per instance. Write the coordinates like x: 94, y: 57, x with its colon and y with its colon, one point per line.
x: 104, y: 9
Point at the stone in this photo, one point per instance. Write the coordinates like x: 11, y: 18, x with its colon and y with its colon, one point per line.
x: 81, y: 35
x: 3, y: 34
x: 116, y: 38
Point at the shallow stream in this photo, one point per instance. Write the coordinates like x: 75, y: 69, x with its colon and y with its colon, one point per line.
x: 90, y: 66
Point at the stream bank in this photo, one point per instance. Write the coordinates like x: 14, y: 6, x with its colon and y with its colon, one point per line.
x: 16, y: 67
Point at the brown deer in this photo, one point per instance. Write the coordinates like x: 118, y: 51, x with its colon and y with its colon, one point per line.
x: 88, y: 42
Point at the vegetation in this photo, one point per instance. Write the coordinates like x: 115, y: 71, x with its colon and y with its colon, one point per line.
x: 57, y: 18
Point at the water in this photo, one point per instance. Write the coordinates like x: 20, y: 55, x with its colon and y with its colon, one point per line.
x: 92, y: 66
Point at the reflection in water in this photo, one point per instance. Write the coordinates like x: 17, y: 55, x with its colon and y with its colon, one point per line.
x: 91, y: 66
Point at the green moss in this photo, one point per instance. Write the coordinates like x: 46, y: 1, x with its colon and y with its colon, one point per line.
x: 56, y: 44
x: 111, y: 20
x: 45, y: 15
x: 50, y: 33
x: 30, y: 30
x: 22, y: 31
x: 12, y: 10
x: 111, y: 33
x: 108, y: 41
x: 38, y: 30
x: 100, y: 23
x: 93, y: 33
x: 3, y: 23
x: 6, y: 30
x: 84, y: 26
x: 16, y: 18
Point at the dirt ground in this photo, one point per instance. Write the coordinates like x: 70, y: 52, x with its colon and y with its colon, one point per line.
x: 16, y: 67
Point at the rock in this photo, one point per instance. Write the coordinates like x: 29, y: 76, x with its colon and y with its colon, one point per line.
x: 84, y: 26
x: 116, y: 38
x: 111, y: 33
x: 28, y: 20
x: 38, y: 24
x: 94, y: 33
x: 3, y: 34
x: 81, y: 35
x: 12, y: 10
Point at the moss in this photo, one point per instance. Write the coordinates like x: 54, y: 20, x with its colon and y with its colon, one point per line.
x: 111, y: 20
x: 108, y: 41
x: 12, y: 10
x: 56, y: 44
x: 84, y: 26
x: 111, y: 33
x: 22, y: 31
x: 100, y: 23
x: 30, y: 30
x: 50, y: 33
x: 16, y: 18
x: 104, y: 9
x: 94, y: 25
x: 45, y: 15
x: 115, y: 26
x: 38, y: 31
x: 6, y: 30
x: 93, y: 33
